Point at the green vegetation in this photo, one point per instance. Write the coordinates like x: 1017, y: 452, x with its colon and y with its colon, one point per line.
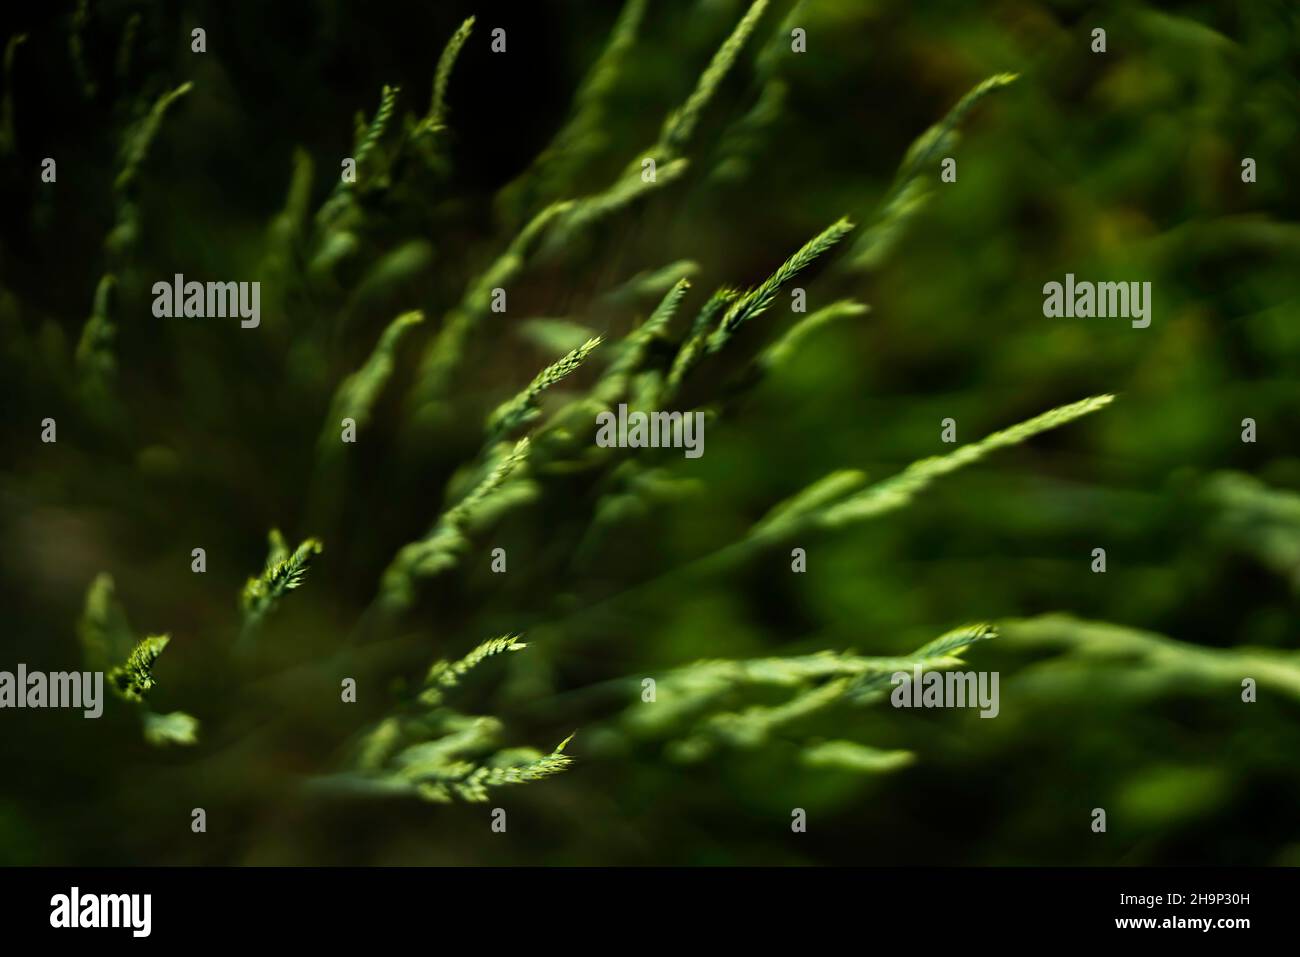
x: 721, y: 632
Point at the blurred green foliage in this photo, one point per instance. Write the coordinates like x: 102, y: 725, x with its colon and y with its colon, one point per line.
x: 1119, y: 690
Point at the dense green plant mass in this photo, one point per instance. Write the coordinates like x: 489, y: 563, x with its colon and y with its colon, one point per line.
x: 622, y: 209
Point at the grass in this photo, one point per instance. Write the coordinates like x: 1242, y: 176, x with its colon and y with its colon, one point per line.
x: 381, y: 318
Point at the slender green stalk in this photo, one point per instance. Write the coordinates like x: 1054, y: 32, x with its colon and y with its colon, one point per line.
x: 556, y: 169
x: 141, y: 137
x: 757, y: 300
x: 356, y: 395
x: 442, y: 547
x: 524, y: 407
x: 96, y: 363
x: 835, y: 502
x: 632, y: 352
x: 448, y: 350
x: 913, y: 184
x: 680, y: 126
x: 375, y: 131
x: 436, y: 118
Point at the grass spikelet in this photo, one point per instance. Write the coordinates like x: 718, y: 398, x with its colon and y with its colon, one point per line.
x: 623, y: 193
x: 663, y: 314
x: 791, y: 513
x: 911, y: 190
x: 781, y: 351
x: 543, y: 767
x: 96, y: 364
x: 633, y: 349
x: 374, y: 132
x: 140, y: 138
x: 523, y: 407
x: 589, y: 100
x: 898, y: 491
x: 447, y: 674
x: 555, y: 170
x: 126, y: 46
x: 745, y: 138
x: 1151, y: 662
x: 436, y: 118
x: 694, y: 348
x: 692, y: 705
x: 356, y: 395
x: 754, y: 726
x: 674, y: 137
x: 430, y: 751
x: 106, y: 638
x: 339, y: 215
x: 286, y: 233
x: 491, y: 483
x: 103, y: 629
x: 680, y: 125
x: 284, y: 572
x: 956, y: 641
x: 440, y: 549
x: 757, y: 300
x: 445, y: 354
x: 832, y: 501
x: 943, y: 652
x: 941, y: 137
x: 134, y: 679
x: 776, y: 50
